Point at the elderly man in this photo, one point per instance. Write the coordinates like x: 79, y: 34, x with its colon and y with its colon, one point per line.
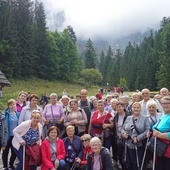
x: 146, y: 95
x: 164, y: 92
x: 85, y: 104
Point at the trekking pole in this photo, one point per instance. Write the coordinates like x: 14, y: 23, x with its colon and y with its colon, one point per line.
x: 137, y: 158
x: 73, y: 166
x: 144, y: 155
x: 154, y: 154
x: 23, y: 158
x: 125, y: 157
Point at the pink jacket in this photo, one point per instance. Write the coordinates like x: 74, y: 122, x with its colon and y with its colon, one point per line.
x: 21, y: 130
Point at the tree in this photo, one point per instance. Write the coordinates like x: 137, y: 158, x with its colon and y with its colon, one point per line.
x: 91, y: 76
x: 123, y: 83
x: 72, y: 34
x: 101, y: 62
x: 164, y: 58
x: 90, y: 56
x: 40, y: 34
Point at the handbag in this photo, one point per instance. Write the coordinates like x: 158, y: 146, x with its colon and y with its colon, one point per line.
x: 53, y: 122
x: 108, y: 133
x: 161, y: 145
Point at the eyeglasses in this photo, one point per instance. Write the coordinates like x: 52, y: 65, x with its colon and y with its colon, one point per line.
x: 115, y: 96
x: 165, y: 103
x: 144, y: 93
x: 85, y: 140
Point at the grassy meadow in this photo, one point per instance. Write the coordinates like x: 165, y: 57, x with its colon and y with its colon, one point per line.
x: 38, y: 86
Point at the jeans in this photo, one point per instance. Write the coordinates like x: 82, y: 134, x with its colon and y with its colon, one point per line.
x: 19, y: 154
x: 6, y: 152
x: 62, y: 164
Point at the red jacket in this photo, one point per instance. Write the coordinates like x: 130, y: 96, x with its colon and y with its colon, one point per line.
x: 33, y: 156
x: 46, y: 154
x: 86, y: 151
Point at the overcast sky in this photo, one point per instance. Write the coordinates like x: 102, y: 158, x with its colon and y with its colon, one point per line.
x: 110, y: 18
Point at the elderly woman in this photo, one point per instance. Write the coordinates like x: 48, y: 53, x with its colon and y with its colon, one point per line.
x: 125, y: 100
x: 163, y: 133
x: 113, y: 107
x: 53, y: 114
x: 73, y: 147
x: 21, y: 102
x: 134, y: 132
x: 101, y: 120
x: 153, y: 115
x: 27, y: 110
x: 94, y: 102
x: 135, y: 98
x: 53, y: 151
x: 119, y: 120
x: 28, y: 134
x: 100, y: 158
x: 86, y: 151
x: 11, y: 117
x: 76, y: 117
x: 164, y: 92
x: 65, y: 103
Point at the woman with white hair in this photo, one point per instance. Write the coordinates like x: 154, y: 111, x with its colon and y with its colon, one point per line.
x: 53, y: 114
x: 100, y: 159
x: 153, y: 115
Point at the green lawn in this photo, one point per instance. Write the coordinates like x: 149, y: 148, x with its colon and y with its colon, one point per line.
x: 39, y: 86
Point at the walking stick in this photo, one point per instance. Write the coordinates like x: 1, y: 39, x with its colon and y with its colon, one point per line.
x: 125, y: 157
x: 154, y: 154
x: 137, y: 158
x: 144, y: 155
x: 73, y: 166
x: 23, y: 158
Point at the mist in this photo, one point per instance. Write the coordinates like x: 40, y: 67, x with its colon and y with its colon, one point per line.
x: 105, y: 19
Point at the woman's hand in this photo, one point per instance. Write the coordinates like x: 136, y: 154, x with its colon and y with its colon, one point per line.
x: 3, y: 148
x: 60, y: 121
x: 78, y: 160
x: 56, y: 164
x: 46, y: 121
x: 156, y: 133
x: 125, y: 135
x: 135, y: 140
x: 149, y: 134
x: 104, y: 126
x: 74, y: 122
x: 23, y: 143
x: 53, y: 169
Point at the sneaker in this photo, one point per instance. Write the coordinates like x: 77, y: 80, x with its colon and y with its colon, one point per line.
x: 11, y: 168
x: 5, y: 168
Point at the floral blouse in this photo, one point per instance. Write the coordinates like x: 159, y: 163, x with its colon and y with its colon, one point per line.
x: 31, y: 137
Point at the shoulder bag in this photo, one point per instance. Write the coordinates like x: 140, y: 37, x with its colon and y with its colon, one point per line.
x: 161, y: 146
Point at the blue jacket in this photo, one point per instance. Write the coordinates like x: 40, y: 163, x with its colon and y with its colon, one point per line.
x: 8, y: 119
x: 77, y: 145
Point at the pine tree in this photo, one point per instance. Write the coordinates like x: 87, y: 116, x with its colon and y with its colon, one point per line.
x: 40, y: 34
x: 90, y: 55
x: 72, y: 34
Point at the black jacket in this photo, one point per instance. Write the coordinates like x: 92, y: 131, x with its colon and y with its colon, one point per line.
x: 116, y: 121
x: 105, y: 160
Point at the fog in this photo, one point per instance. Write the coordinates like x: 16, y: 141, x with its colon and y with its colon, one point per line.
x: 106, y: 18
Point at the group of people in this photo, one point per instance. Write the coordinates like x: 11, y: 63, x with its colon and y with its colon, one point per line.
x: 85, y: 133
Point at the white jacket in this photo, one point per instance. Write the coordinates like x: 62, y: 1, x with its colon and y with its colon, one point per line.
x: 21, y: 130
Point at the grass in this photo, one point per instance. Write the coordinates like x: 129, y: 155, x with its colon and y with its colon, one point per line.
x: 38, y: 86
